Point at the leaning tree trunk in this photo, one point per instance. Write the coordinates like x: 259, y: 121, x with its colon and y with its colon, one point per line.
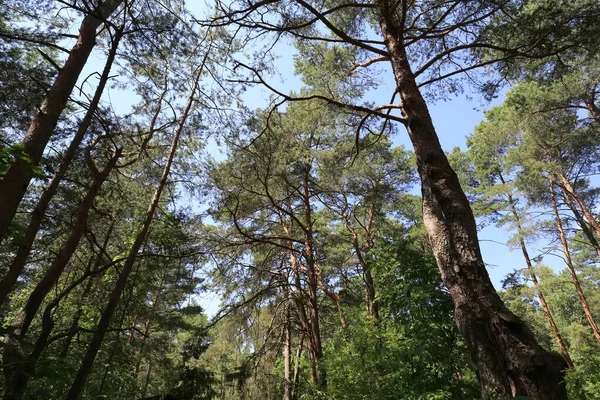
x: 39, y: 212
x: 28, y: 364
x: 510, y: 361
x: 14, y: 354
x: 103, y: 325
x: 73, y: 327
x: 521, y: 235
x: 14, y: 184
x: 569, y: 262
x: 570, y: 191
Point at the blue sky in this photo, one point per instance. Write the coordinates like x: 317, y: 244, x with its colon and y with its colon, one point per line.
x: 454, y: 120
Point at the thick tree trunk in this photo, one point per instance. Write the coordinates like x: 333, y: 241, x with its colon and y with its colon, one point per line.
x: 569, y: 262
x: 14, y: 184
x: 39, y: 212
x: 549, y: 317
x: 103, y: 325
x: 510, y: 361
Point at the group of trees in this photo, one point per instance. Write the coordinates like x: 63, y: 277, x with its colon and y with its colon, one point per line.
x: 337, y: 280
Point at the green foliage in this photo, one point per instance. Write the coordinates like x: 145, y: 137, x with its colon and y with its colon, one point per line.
x: 414, y: 351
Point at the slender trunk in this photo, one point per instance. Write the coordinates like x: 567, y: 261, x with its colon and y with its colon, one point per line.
x: 308, y: 320
x: 147, y: 380
x: 565, y: 184
x: 114, y: 350
x: 287, y: 384
x: 510, y: 361
x: 371, y: 305
x: 39, y: 212
x: 569, y: 262
x: 90, y: 355
x: 14, y: 184
x: 313, y: 282
x: 14, y: 356
x: 333, y: 296
x: 521, y: 234
x: 581, y: 221
x: 296, y: 379
x: 21, y: 376
x: 86, y: 290
x: 148, y: 323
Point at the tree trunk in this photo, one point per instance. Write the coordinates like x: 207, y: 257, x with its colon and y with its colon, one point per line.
x: 14, y: 184
x: 371, y: 305
x: 14, y: 353
x: 510, y: 361
x: 148, y: 324
x: 27, y: 366
x: 147, y: 380
x: 566, y: 185
x: 296, y: 378
x: 287, y: 384
x: 521, y: 234
x: 569, y: 262
x: 581, y: 221
x: 39, y: 212
x: 86, y: 290
x: 103, y: 325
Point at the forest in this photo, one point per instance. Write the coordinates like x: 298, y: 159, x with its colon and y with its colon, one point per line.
x: 250, y: 199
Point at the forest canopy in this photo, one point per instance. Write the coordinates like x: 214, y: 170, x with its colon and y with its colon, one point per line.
x: 250, y: 199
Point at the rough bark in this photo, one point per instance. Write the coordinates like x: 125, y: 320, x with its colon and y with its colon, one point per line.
x: 14, y: 353
x: 39, y: 212
x: 103, y: 325
x: 14, y: 184
x: 521, y: 235
x: 510, y: 360
x: 571, y: 267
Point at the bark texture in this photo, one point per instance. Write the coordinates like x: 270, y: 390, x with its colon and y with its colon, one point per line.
x: 15, y: 182
x: 510, y: 361
x: 39, y: 212
x: 14, y: 357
